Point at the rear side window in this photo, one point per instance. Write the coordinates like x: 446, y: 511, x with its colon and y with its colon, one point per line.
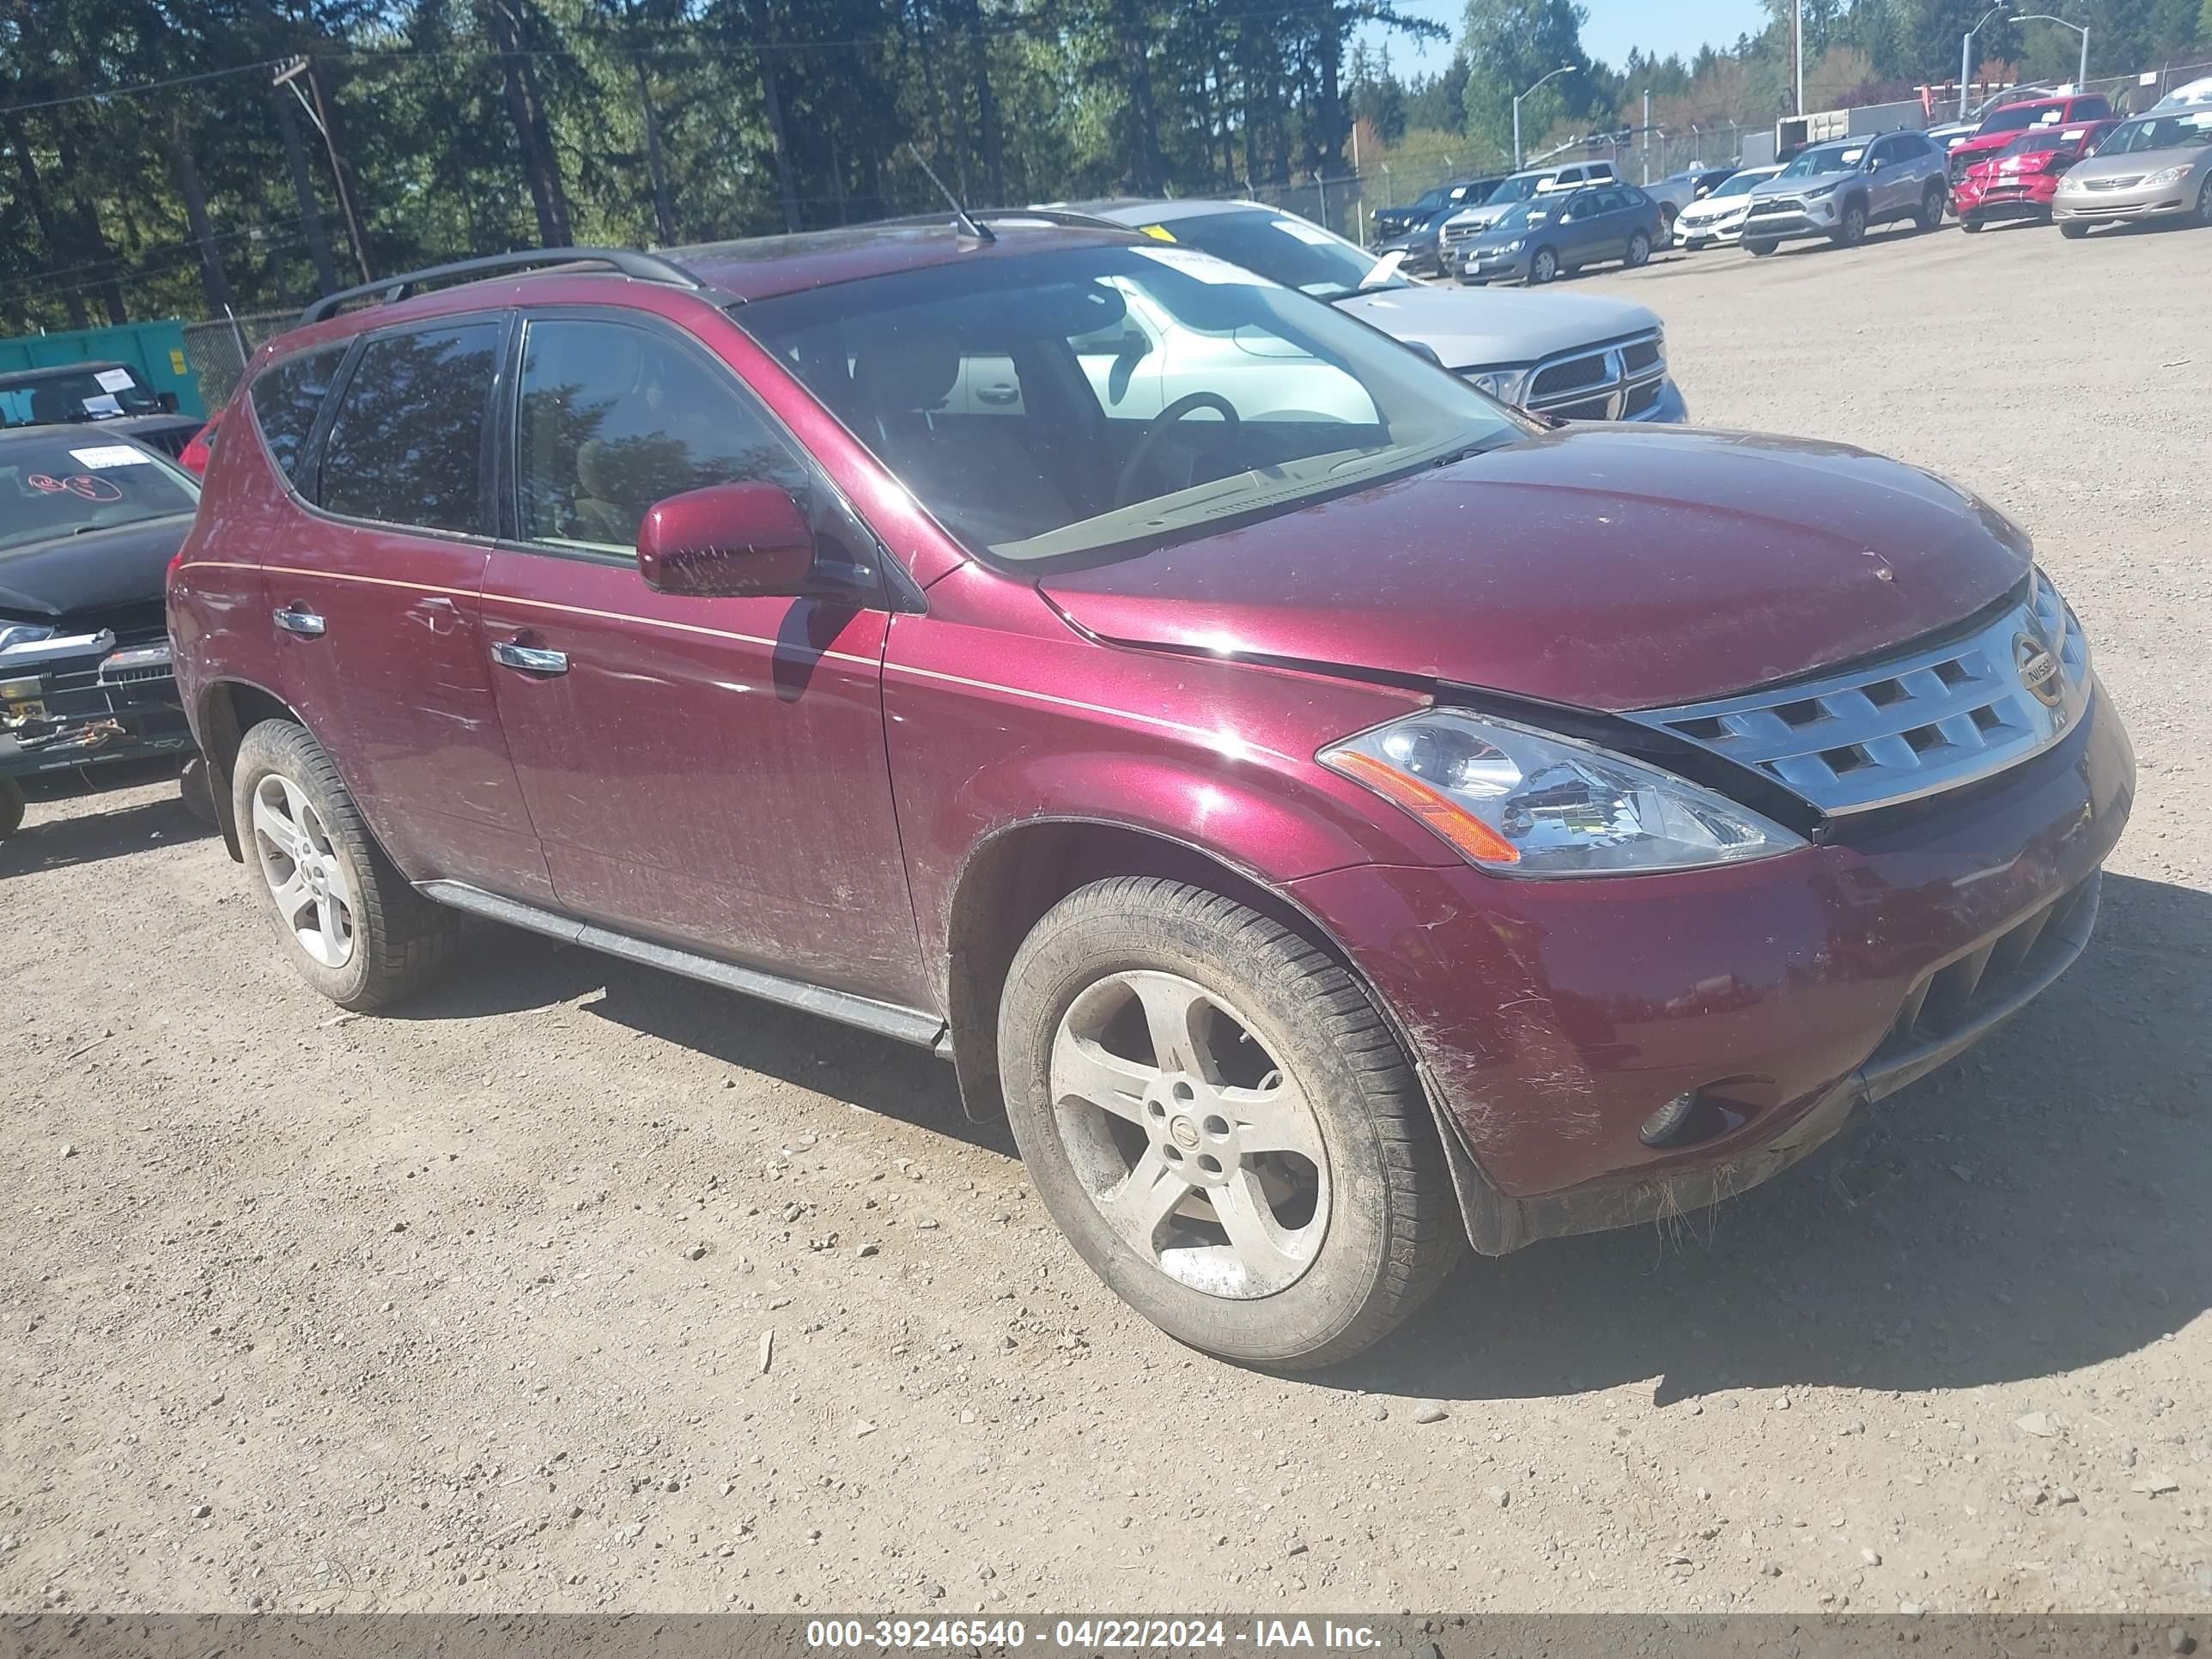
x: 407, y: 444
x: 287, y: 397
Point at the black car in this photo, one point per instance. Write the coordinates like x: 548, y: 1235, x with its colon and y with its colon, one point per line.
x: 108, y: 394
x: 89, y: 520
x: 1395, y: 222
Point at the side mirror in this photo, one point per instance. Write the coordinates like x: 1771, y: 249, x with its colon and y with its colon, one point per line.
x: 727, y: 542
x: 165, y: 402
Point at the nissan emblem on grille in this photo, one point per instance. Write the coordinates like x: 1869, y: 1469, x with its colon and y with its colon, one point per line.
x: 2038, y: 671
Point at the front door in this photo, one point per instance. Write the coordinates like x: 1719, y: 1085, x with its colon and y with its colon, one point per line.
x: 706, y: 772
x: 383, y: 653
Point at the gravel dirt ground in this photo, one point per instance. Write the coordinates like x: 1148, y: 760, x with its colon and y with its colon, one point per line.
x: 573, y: 1287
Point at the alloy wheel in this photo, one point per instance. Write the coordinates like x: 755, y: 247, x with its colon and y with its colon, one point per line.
x: 1202, y: 1154
x: 1544, y: 266
x: 306, y: 876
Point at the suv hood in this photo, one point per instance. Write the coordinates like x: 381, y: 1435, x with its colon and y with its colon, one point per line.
x: 1475, y: 328
x: 1804, y: 181
x: 122, y: 569
x: 1603, y: 567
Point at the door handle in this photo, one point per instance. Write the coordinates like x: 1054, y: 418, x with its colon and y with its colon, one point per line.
x: 296, y: 618
x: 529, y: 659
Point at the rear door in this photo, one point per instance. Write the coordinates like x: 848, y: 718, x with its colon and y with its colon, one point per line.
x: 376, y: 612
x: 708, y: 772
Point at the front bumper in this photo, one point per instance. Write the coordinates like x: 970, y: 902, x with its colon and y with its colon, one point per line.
x: 2104, y: 207
x: 111, y: 705
x: 1486, y: 264
x: 1552, y: 1019
x: 1814, y: 218
x: 1715, y: 232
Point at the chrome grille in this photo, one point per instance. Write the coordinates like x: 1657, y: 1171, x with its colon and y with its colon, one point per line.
x: 1774, y: 204
x: 1601, y: 383
x: 1913, y: 727
x: 2128, y: 183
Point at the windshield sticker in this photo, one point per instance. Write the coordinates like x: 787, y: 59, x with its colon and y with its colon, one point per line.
x: 1203, y: 266
x: 1305, y: 232
x: 115, y: 380
x: 1852, y: 156
x: 2072, y: 135
x: 106, y: 455
x: 103, y: 404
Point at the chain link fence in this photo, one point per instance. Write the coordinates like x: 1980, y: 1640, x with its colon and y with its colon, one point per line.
x: 219, y: 351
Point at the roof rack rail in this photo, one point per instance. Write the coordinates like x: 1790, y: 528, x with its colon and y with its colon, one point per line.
x: 647, y: 267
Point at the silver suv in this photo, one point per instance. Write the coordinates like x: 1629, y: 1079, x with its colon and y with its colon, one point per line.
x: 1841, y: 189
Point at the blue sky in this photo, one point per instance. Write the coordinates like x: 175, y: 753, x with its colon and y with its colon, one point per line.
x: 1614, y: 26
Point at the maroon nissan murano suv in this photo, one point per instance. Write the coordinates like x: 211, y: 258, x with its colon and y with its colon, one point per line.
x: 1335, y: 818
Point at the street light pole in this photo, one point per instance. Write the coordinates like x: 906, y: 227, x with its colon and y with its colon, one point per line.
x: 2082, y: 74
x: 1563, y: 69
x: 1966, y: 49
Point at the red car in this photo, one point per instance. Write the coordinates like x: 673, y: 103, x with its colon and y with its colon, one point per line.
x: 2020, y: 180
x: 1336, y: 819
x: 2005, y: 124
x: 195, y: 454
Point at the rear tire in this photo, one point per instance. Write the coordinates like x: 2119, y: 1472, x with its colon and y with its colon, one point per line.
x: 1158, y: 1040
x: 350, y: 924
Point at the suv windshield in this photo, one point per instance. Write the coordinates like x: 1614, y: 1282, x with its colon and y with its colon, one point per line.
x: 1066, y: 402
x: 1519, y: 188
x: 1283, y: 249
x: 1824, y: 158
x: 90, y: 393
x: 62, y: 486
x: 2160, y: 132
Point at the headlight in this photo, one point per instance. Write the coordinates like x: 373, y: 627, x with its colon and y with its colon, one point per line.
x: 15, y: 634
x: 1513, y: 246
x: 1506, y: 385
x: 2167, y: 176
x: 1818, y: 192
x: 1517, y: 801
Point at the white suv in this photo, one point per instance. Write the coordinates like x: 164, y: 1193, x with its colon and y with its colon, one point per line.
x: 1517, y: 189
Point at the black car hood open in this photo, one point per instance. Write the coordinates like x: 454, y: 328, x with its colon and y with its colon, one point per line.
x: 100, y: 572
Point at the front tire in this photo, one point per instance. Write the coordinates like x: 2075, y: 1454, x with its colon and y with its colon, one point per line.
x: 11, y: 807
x: 1853, y: 229
x: 1933, y: 200
x: 2072, y: 229
x: 1968, y: 223
x: 1223, y: 1124
x: 2205, y: 202
x: 352, y: 926
x: 1759, y: 246
x: 1639, y: 251
x: 1543, y: 266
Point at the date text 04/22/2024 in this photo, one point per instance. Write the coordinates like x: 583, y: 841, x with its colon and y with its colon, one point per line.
x: 1100, y: 1635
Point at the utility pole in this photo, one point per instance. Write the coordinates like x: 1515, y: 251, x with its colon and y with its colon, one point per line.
x: 1966, y: 52
x: 289, y: 75
x: 1797, y: 35
x: 1647, y: 136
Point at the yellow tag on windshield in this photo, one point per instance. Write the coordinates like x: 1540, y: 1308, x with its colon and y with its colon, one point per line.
x: 1159, y: 231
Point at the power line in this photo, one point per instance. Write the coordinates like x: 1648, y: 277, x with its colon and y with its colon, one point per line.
x: 141, y: 87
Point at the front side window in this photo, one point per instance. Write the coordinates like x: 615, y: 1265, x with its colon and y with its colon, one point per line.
x: 286, y: 397
x: 1243, y: 399
x: 614, y: 418
x: 69, y: 483
x: 406, y: 446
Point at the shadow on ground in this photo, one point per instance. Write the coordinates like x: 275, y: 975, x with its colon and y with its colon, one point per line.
x: 2033, y: 1208
x: 90, y: 834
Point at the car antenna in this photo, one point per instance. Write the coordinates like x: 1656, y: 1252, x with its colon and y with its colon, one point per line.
x: 969, y: 227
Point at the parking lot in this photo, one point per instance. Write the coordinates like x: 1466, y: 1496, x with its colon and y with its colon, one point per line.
x: 575, y: 1287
